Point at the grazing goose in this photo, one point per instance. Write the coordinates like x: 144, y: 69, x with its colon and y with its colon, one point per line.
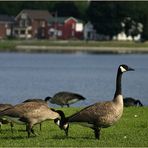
x: 46, y: 100
x: 30, y: 113
x: 66, y: 98
x: 3, y: 120
x: 101, y: 114
x: 131, y: 102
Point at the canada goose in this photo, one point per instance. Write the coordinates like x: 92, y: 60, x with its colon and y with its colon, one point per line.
x: 66, y: 98
x: 3, y: 120
x: 46, y: 100
x: 101, y: 114
x: 31, y: 113
x: 131, y: 102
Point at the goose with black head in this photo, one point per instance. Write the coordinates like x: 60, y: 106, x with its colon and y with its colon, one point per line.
x: 101, y: 114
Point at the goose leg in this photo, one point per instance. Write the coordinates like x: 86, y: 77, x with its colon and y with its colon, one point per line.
x: 0, y: 127
x: 97, y: 132
x: 11, y: 124
x: 40, y: 126
x: 32, y: 131
x: 28, y: 129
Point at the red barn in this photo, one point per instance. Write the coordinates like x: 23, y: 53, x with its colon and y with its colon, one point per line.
x: 65, y: 28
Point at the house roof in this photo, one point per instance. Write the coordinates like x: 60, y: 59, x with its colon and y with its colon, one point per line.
x: 6, y: 18
x: 36, y: 14
x: 62, y: 20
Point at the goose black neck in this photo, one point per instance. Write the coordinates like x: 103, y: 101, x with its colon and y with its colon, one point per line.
x: 61, y: 113
x: 118, y: 84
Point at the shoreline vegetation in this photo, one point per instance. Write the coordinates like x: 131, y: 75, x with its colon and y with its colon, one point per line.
x: 74, y: 46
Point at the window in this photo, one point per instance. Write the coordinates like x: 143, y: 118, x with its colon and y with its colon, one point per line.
x: 22, y: 23
x: 73, y: 26
x: 16, y: 32
x: 59, y: 33
x: 42, y: 23
x: 22, y: 32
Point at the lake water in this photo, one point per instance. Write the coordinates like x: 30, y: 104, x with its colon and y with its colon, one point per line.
x: 24, y: 75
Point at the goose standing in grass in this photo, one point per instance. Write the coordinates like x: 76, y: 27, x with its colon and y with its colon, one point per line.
x: 131, y: 102
x: 31, y: 113
x: 66, y: 98
x: 3, y: 120
x: 101, y: 114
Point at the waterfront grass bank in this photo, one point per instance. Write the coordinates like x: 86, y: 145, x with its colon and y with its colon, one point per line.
x: 61, y: 46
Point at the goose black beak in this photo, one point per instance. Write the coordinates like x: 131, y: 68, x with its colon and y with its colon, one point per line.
x: 130, y: 69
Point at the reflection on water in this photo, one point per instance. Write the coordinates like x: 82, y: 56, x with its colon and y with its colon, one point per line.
x: 24, y: 76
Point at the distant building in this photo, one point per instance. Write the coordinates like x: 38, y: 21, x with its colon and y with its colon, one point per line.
x: 89, y: 32
x: 123, y: 37
x: 65, y: 28
x: 32, y: 24
x: 6, y: 26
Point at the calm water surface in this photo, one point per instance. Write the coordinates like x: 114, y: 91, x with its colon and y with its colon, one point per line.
x: 24, y: 76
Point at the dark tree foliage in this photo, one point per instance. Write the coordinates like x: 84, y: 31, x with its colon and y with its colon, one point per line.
x: 66, y: 8
x: 106, y: 16
x: 14, y: 7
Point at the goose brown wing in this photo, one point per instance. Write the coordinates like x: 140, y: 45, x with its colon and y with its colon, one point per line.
x: 5, y: 106
x: 92, y: 113
x: 22, y: 109
x: 12, y: 112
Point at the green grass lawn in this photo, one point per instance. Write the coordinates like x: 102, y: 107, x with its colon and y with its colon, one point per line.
x: 131, y: 130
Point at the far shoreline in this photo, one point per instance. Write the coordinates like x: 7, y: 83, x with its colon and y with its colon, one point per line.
x: 70, y: 46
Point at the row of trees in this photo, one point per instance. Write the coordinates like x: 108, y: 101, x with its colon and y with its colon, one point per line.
x: 107, y: 17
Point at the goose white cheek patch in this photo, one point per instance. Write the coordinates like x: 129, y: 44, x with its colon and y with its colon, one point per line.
x: 65, y: 126
x: 122, y: 69
x: 58, y: 123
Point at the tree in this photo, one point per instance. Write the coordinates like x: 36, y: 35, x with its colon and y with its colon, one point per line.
x: 105, y: 17
x: 66, y: 8
x: 82, y: 7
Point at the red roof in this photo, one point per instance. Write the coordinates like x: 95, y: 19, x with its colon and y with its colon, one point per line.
x: 36, y: 14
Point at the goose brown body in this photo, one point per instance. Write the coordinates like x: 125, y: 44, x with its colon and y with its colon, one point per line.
x: 102, y: 114
x: 29, y: 113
